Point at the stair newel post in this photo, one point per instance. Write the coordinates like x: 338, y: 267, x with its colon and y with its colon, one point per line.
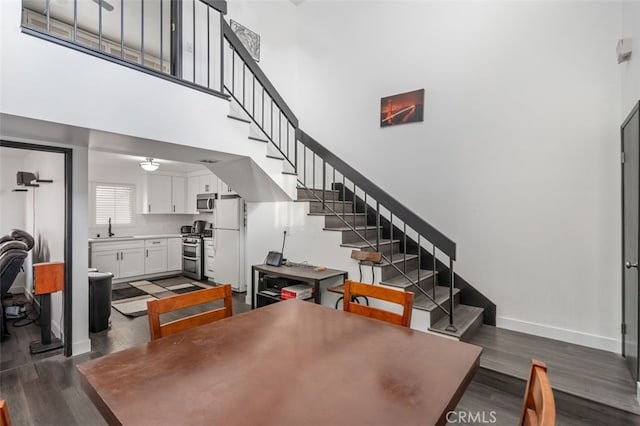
x: 333, y: 187
x: 377, y: 226
x: 244, y: 80
x: 419, y: 259
x: 253, y: 98
x: 354, y: 207
x: 433, y: 279
x: 233, y: 70
x: 404, y: 250
x: 288, y: 132
x: 391, y: 234
x: 366, y: 217
x: 344, y: 198
x: 451, y: 327
x: 262, y: 108
x: 324, y: 184
x: 304, y: 165
x: 295, y: 152
x: 313, y: 169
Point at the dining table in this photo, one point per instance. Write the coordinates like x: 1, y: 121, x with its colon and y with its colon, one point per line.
x: 289, y: 363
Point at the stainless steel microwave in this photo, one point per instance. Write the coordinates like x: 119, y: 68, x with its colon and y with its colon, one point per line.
x: 204, y: 202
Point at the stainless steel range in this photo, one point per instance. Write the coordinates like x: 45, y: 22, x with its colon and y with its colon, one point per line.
x: 192, y: 256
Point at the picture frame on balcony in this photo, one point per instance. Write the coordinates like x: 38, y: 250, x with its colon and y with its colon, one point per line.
x: 402, y: 108
x: 249, y: 39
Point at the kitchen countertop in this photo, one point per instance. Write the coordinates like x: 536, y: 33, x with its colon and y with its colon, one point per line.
x: 132, y: 237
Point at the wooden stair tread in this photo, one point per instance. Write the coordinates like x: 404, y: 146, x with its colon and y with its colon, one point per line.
x: 233, y: 117
x: 401, y: 281
x: 255, y: 138
x: 397, y: 258
x: 346, y: 228
x: 299, y: 188
x: 423, y: 303
x: 362, y: 245
x: 464, y: 318
x: 346, y: 215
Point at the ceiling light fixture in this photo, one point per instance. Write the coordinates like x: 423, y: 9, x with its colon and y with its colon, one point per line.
x: 149, y: 165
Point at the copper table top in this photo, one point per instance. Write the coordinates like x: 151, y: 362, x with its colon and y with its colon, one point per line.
x: 290, y: 363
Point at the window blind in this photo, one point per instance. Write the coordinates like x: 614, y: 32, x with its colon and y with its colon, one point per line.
x: 115, y: 202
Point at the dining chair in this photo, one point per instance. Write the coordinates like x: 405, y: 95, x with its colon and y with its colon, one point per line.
x: 539, y: 408
x: 169, y: 304
x: 359, y: 255
x: 403, y: 298
x: 5, y: 419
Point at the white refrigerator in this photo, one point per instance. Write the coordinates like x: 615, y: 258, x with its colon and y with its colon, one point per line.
x: 228, y: 237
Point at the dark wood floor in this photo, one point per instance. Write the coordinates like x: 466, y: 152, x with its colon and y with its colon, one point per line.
x: 45, y: 390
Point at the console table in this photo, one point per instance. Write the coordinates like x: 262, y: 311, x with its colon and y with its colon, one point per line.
x: 303, y: 273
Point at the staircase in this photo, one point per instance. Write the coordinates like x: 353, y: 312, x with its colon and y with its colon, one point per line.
x: 419, y: 271
x: 367, y: 218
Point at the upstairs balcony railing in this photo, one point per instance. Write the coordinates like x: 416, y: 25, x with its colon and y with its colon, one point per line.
x: 190, y: 43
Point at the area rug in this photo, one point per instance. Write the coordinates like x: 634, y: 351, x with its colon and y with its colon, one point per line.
x: 130, y: 299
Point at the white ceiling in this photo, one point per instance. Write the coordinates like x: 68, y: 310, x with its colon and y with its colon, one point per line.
x: 117, y: 160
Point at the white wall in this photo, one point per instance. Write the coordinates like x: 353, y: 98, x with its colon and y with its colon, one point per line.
x: 12, y: 204
x: 306, y: 241
x: 276, y: 23
x: 631, y: 70
x: 517, y: 159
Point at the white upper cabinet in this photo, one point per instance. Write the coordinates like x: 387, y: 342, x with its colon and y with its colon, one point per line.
x: 178, y: 194
x: 158, y: 192
x: 207, y: 184
x: 165, y: 195
x: 224, y: 189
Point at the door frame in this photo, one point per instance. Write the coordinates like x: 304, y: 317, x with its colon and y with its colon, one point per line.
x: 67, y: 298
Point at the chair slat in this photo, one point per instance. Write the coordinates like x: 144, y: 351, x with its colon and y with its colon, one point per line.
x: 403, y: 298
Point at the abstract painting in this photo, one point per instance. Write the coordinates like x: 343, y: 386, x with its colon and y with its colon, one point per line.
x: 249, y: 39
x: 403, y: 108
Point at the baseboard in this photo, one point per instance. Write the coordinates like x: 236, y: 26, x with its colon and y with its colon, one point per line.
x: 571, y: 336
x: 81, y: 347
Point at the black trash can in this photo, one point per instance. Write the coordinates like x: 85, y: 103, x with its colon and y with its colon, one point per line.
x: 99, y: 300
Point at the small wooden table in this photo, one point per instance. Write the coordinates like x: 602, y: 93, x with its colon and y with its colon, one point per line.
x: 290, y: 363
x: 305, y: 274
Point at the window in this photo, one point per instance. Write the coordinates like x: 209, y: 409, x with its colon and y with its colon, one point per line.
x: 114, y: 201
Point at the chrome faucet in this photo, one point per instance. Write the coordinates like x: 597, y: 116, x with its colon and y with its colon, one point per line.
x: 111, y: 234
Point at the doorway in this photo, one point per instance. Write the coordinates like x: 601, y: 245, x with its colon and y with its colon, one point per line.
x: 630, y: 141
x: 47, y: 215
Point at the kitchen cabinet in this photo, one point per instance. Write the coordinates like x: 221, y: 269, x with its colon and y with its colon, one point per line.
x: 178, y: 196
x: 193, y: 184
x: 123, y: 259
x: 155, y: 256
x: 165, y: 194
x: 174, y: 254
x: 207, y: 184
x: 224, y: 189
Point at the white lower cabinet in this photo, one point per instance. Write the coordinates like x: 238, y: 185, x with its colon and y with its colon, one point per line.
x: 137, y: 258
x: 123, y: 258
x: 155, y: 256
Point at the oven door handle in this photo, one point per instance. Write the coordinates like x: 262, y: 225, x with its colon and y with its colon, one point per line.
x: 190, y: 258
x: 191, y: 245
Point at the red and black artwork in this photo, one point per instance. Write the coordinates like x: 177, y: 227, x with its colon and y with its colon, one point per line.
x: 403, y: 108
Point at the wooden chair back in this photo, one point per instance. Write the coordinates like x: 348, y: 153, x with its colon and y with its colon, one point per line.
x: 5, y: 419
x: 539, y: 408
x: 181, y: 301
x: 404, y: 298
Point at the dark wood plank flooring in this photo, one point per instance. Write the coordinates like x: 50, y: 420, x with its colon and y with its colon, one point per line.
x: 588, y: 373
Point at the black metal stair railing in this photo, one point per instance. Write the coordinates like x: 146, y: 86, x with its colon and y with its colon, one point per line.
x: 319, y: 169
